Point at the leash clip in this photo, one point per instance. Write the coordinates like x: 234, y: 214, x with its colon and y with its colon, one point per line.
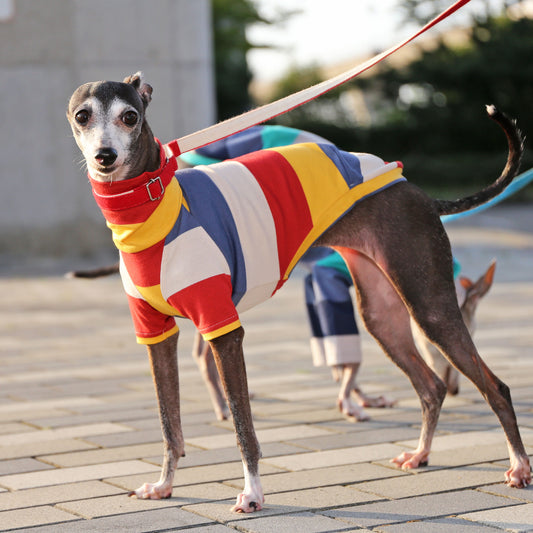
x: 152, y: 181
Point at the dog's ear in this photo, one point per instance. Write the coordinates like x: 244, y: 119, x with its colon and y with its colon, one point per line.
x: 138, y: 83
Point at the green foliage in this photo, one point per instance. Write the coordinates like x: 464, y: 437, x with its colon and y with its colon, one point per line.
x: 230, y: 20
x: 431, y: 114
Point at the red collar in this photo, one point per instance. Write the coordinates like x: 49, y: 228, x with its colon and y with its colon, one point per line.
x: 125, y: 194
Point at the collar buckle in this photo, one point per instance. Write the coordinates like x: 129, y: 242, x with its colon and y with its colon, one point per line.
x: 157, y: 195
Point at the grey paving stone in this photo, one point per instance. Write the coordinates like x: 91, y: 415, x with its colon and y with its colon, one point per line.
x: 62, y: 433
x: 31, y: 449
x: 171, y: 519
x: 108, y: 415
x: 320, y: 497
x: 289, y: 523
x: 342, y: 456
x: 439, y: 525
x: 103, y: 455
x: 22, y: 465
x: 189, y: 476
x: 437, y: 481
x: 320, y: 477
x: 464, y: 456
x: 33, y: 516
x: 285, y: 433
x: 517, y: 519
x: 128, y: 438
x: 409, y: 509
x: 59, y: 476
x: 56, y: 494
x: 113, y: 505
x: 360, y: 438
x: 500, y: 489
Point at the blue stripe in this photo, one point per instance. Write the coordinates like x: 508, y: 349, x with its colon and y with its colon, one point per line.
x: 238, y: 144
x: 336, y: 318
x: 210, y: 210
x: 347, y: 163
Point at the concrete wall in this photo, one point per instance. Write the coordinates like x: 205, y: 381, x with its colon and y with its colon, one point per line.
x: 47, y: 49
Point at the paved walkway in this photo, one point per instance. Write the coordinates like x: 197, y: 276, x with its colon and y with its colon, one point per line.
x: 78, y: 423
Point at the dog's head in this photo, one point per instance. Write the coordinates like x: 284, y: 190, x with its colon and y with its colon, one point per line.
x: 108, y: 122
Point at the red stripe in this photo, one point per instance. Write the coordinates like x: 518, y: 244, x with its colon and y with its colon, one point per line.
x: 148, y: 322
x: 207, y: 303
x: 286, y: 199
x: 144, y: 267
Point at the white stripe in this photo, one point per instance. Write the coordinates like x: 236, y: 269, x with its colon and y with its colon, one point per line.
x: 129, y: 287
x: 255, y: 227
x: 373, y: 166
x: 188, y: 259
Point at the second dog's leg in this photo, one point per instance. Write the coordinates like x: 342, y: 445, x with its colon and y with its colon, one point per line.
x: 164, y: 363
x: 387, y: 319
x: 229, y: 358
x: 203, y: 356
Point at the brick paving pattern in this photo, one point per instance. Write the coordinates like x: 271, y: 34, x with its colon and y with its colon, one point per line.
x: 79, y: 427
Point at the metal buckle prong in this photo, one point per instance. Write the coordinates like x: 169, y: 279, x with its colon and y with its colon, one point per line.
x: 155, y: 180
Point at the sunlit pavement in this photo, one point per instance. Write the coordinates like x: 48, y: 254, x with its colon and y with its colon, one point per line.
x: 79, y: 426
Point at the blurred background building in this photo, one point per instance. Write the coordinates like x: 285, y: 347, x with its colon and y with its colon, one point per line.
x: 49, y: 48
x: 211, y: 59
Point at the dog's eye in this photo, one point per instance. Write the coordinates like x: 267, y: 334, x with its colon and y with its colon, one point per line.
x: 82, y: 117
x: 129, y: 118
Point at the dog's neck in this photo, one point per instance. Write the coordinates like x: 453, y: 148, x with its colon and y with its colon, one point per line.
x: 146, y: 152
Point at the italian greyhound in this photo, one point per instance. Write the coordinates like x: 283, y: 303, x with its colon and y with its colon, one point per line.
x: 386, y: 229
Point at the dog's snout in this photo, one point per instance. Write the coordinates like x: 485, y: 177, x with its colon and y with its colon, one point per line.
x: 106, y: 156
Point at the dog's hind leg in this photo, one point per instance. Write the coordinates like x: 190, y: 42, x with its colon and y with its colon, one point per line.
x: 228, y: 353
x: 387, y: 319
x: 459, y: 349
x: 201, y: 352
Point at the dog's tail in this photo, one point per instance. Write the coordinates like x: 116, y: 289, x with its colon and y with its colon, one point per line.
x: 515, y: 140
x: 96, y: 273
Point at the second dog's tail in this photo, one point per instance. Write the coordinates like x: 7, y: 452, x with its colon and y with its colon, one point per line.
x: 515, y: 141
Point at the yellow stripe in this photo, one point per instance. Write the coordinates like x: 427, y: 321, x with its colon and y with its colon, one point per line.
x: 154, y: 297
x: 321, y: 180
x: 159, y: 338
x: 133, y: 238
x: 342, y: 205
x: 221, y: 331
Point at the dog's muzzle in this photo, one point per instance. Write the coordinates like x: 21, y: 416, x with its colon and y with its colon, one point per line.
x: 106, y: 156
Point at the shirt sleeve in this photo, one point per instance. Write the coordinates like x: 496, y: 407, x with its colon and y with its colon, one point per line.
x: 209, y: 305
x: 150, y: 325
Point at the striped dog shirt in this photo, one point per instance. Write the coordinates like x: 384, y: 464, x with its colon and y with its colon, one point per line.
x: 212, y: 241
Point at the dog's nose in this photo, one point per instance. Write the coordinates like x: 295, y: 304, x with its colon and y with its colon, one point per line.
x: 106, y: 156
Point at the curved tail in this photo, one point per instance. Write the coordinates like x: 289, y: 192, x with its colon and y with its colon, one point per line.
x: 515, y: 141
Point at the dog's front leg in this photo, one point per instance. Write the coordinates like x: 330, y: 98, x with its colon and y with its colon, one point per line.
x: 164, y: 364
x: 229, y: 358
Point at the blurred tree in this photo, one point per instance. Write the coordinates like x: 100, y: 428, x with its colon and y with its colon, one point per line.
x: 431, y: 113
x: 230, y: 20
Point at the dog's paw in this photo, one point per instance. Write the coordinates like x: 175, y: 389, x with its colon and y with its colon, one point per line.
x: 152, y: 491
x: 248, y: 503
x: 352, y: 411
x: 410, y: 460
x: 519, y: 476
